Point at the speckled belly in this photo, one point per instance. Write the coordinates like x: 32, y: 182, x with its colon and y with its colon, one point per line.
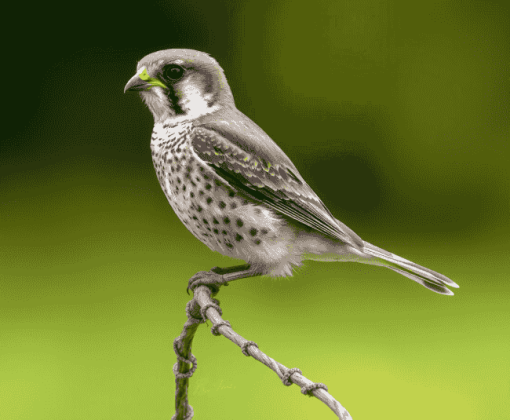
x: 216, y: 214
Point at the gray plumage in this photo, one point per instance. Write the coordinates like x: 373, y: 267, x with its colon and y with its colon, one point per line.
x: 232, y: 186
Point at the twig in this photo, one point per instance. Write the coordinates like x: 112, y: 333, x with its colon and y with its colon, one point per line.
x: 202, y: 306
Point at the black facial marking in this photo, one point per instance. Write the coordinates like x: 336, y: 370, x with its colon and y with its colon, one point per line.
x: 174, y: 100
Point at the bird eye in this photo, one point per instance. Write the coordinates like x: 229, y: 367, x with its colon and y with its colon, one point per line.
x: 173, y: 72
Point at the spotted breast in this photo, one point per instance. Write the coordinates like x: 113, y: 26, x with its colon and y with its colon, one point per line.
x: 214, y: 212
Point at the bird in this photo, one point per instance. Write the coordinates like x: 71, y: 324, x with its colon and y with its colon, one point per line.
x: 234, y: 188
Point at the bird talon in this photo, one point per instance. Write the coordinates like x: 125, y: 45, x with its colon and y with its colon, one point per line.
x: 206, y: 278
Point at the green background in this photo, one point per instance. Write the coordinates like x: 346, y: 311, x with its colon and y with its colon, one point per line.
x: 395, y: 112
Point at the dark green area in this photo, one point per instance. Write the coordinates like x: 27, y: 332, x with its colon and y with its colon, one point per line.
x: 396, y: 113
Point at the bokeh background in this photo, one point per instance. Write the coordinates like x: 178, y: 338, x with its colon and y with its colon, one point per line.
x: 395, y: 112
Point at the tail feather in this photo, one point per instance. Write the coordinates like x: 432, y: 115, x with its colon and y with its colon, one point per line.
x: 422, y: 275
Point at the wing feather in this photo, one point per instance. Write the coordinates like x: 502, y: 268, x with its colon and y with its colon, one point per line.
x: 248, y: 160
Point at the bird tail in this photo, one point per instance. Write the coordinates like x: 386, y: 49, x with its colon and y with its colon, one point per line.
x: 424, y: 276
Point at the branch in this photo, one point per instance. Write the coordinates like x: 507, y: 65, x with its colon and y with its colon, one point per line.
x: 202, y: 306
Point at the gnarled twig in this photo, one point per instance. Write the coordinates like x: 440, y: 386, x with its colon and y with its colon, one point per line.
x: 202, y: 306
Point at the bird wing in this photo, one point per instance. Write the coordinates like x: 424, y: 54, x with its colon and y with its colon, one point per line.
x: 248, y: 160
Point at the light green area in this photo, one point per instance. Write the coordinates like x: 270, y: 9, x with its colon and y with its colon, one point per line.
x: 151, y: 80
x: 220, y: 78
x: 266, y: 168
x: 93, y: 293
x: 395, y: 113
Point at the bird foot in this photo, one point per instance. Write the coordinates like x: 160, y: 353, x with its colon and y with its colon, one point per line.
x: 207, y: 278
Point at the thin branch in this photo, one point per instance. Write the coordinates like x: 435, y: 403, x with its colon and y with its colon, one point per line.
x: 182, y: 369
x: 202, y: 299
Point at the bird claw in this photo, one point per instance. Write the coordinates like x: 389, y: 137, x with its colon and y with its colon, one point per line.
x: 206, y: 278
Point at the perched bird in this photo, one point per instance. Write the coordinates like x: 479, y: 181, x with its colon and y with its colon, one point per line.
x: 233, y: 187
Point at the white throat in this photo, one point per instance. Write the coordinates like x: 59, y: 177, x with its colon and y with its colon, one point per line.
x: 191, y: 101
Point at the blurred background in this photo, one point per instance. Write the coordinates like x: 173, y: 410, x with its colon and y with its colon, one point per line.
x: 395, y: 112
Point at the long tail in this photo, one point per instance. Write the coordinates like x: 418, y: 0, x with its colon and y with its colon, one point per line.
x: 428, y: 278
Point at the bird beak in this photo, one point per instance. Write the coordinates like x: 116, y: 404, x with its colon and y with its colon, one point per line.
x: 142, y: 81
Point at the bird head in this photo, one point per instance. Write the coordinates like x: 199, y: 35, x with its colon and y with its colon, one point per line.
x: 180, y: 85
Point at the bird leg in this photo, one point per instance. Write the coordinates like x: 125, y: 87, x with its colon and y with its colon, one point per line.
x: 218, y: 276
